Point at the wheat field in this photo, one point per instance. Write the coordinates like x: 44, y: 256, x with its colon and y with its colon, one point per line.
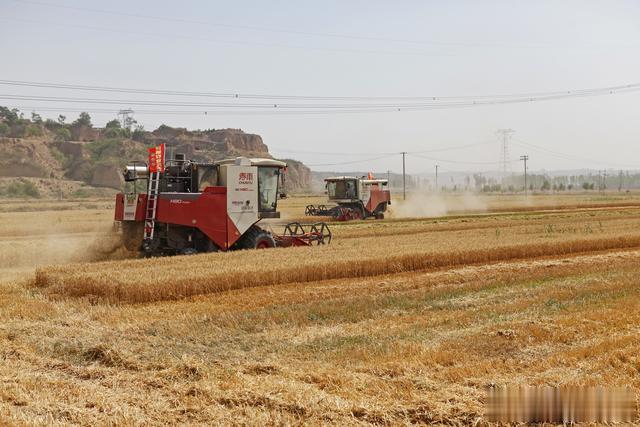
x: 401, y: 321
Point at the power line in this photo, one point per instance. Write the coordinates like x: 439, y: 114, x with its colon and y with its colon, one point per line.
x: 456, y: 147
x: 460, y: 161
x: 433, y: 99
x: 328, y: 153
x: 354, y: 161
x: 565, y: 156
x: 174, y: 36
x: 318, y: 34
x: 439, y: 149
x: 305, y: 108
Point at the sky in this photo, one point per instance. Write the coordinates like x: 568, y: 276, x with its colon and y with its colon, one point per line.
x: 372, y: 49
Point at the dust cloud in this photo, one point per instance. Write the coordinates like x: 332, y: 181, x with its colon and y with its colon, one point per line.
x: 32, y: 251
x: 434, y: 205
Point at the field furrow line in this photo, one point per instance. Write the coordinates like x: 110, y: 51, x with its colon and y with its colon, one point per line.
x: 147, y: 280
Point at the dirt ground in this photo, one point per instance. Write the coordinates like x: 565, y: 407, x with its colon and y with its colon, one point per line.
x: 413, y: 318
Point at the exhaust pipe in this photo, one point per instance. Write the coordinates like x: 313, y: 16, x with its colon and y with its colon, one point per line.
x: 134, y: 172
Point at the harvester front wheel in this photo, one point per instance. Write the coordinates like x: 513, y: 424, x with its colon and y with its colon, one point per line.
x: 256, y: 238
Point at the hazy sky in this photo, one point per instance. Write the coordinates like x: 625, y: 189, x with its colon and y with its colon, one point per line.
x: 351, y: 48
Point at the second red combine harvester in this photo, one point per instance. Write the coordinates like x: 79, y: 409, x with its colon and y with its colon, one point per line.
x: 188, y: 207
x: 356, y: 198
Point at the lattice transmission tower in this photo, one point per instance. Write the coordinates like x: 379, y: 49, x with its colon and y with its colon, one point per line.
x: 504, y: 136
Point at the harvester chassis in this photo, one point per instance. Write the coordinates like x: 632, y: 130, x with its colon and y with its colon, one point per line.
x: 343, y: 211
x: 295, y: 234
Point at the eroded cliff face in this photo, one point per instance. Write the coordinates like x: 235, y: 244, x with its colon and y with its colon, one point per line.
x: 20, y: 157
x: 298, y: 177
x: 97, y: 160
x: 208, y: 145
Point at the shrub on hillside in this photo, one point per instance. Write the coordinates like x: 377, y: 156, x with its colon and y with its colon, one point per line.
x: 138, y: 133
x: 63, y: 134
x: 59, y: 156
x: 51, y: 125
x: 21, y: 188
x: 104, y: 149
x: 113, y: 129
x: 33, y: 130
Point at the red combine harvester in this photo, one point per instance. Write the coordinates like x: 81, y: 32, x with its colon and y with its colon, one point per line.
x: 356, y: 198
x: 189, y: 207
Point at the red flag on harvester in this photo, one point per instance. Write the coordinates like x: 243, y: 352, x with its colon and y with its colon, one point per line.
x: 156, y: 158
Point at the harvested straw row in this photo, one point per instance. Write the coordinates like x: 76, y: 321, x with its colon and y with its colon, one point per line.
x: 429, y: 226
x: 153, y: 280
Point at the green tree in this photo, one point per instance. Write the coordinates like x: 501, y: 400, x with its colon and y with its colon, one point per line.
x: 113, y: 129
x: 10, y: 115
x: 545, y: 186
x: 63, y: 134
x: 84, y: 119
x: 113, y: 124
x: 61, y: 119
x: 138, y: 133
x: 51, y: 124
x: 36, y: 118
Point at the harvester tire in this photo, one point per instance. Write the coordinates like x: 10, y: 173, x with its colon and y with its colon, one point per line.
x: 256, y: 238
x: 132, y: 233
x: 358, y: 213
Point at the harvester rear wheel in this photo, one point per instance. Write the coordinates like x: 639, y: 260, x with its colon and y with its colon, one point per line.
x: 256, y: 238
x: 132, y: 233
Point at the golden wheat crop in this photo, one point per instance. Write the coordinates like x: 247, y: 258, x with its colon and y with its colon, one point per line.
x: 403, y: 321
x: 157, y: 279
x: 397, y: 349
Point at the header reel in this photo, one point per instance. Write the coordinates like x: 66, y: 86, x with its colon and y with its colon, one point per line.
x: 296, y: 234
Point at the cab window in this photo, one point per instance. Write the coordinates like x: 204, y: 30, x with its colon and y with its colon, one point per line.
x: 268, y: 178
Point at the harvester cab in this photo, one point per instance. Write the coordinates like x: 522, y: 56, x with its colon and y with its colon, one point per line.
x: 355, y: 198
x: 189, y: 207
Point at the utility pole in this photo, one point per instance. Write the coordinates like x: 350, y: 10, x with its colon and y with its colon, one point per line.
x: 524, y: 159
x: 599, y: 180
x: 437, y: 166
x: 620, y: 184
x: 404, y: 179
x: 604, y: 181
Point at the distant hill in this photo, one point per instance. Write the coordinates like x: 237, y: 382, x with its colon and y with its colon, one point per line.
x: 53, y: 158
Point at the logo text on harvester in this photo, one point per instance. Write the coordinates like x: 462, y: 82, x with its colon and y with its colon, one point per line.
x: 245, y: 178
x: 560, y: 405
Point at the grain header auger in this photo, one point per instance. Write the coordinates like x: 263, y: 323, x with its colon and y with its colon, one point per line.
x: 355, y: 198
x: 186, y: 207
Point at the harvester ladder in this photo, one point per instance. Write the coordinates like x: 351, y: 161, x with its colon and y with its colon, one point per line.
x: 152, y: 205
